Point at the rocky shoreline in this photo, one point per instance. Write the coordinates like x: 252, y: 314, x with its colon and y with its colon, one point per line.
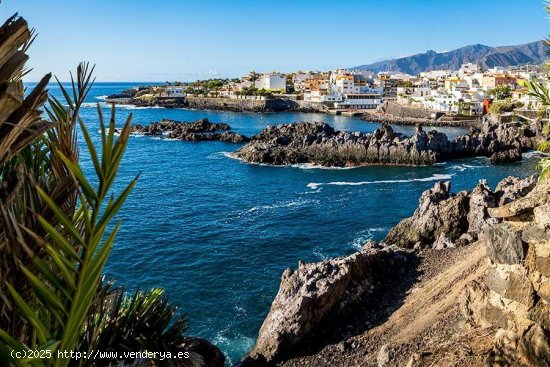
x: 220, y: 104
x: 200, y: 130
x: 314, y: 299
x: 411, y: 121
x: 318, y: 143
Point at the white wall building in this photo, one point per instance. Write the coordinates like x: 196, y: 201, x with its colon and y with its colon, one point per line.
x: 271, y: 82
x: 361, y: 101
x: 172, y: 91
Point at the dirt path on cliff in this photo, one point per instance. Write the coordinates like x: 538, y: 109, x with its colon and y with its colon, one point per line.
x: 426, y: 328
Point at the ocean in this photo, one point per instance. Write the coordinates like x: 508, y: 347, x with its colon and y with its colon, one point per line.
x: 217, y: 233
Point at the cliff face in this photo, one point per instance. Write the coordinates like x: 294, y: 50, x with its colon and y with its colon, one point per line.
x: 469, y: 303
x: 514, y: 296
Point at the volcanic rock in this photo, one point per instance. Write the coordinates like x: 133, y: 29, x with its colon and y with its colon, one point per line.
x: 200, y: 130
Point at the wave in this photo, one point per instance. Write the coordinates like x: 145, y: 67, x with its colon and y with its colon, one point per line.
x: 104, y: 97
x: 464, y: 167
x: 435, y: 177
x: 366, y: 235
x: 316, y: 166
x: 300, y: 165
x: 237, y: 345
x: 535, y: 154
x: 216, y: 156
x: 281, y: 205
x: 132, y: 107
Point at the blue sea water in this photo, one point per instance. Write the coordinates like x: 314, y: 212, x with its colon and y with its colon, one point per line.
x: 217, y: 233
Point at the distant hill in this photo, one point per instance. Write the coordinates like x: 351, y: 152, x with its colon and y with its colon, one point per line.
x: 530, y: 53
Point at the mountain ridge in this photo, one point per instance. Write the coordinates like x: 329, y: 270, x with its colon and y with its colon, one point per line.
x: 486, y: 56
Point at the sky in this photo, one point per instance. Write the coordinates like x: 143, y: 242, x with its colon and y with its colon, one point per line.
x: 162, y: 40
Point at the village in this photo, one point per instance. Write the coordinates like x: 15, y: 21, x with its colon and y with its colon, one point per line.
x: 469, y: 91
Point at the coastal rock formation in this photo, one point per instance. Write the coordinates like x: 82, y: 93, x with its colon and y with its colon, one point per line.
x: 501, y: 283
x: 439, y: 213
x: 310, y: 294
x: 202, y: 350
x: 125, y: 94
x: 318, y: 143
x: 201, y: 130
x: 227, y: 104
x: 514, y: 297
x: 444, y: 220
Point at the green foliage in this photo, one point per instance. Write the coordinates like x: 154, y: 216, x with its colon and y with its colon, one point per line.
x: 500, y: 92
x: 501, y: 106
x: 144, y: 321
x: 542, y: 93
x: 143, y: 92
x: 65, y: 275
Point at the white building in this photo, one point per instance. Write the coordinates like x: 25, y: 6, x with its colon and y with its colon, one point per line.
x: 323, y: 97
x: 361, y: 101
x: 272, y: 81
x: 469, y: 68
x: 173, y: 91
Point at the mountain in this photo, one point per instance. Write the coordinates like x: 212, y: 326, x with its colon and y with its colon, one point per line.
x: 486, y: 56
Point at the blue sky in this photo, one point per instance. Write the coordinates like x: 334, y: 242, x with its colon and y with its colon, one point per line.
x: 157, y: 40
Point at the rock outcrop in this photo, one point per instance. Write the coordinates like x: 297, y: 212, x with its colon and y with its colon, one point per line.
x: 314, y: 292
x: 125, y: 94
x: 201, y: 130
x: 227, y: 104
x: 318, y: 143
x: 514, y: 297
x: 445, y: 220
x: 205, y: 353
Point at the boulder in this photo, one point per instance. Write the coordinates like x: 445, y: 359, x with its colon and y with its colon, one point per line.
x: 512, y: 188
x: 312, y: 293
x: 537, y: 197
x: 207, y: 354
x: 438, y: 213
x: 504, y: 244
x: 511, y: 283
x: 481, y: 199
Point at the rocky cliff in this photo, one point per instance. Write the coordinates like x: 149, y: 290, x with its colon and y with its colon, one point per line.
x: 318, y: 143
x: 514, y: 295
x: 479, y: 302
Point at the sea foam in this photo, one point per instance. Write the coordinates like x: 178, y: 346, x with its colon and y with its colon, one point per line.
x: 435, y: 177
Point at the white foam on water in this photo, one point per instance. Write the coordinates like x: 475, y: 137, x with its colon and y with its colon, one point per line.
x: 366, y: 235
x: 316, y: 166
x: 132, y: 107
x: 216, y: 155
x: 306, y: 166
x: 281, y: 205
x: 534, y: 153
x: 435, y: 177
x: 239, y: 345
x: 102, y: 98
x: 317, y: 252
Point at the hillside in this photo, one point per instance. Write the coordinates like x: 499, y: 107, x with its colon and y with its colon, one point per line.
x: 488, y: 57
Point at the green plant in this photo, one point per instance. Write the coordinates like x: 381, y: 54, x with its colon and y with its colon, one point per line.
x: 542, y: 93
x: 55, y: 231
x: 144, y: 321
x: 65, y: 275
